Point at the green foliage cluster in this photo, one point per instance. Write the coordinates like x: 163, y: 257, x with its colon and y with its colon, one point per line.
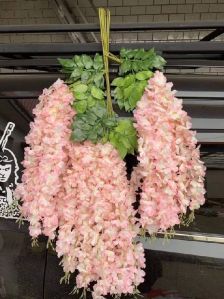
x: 85, y: 76
x: 136, y: 68
x: 137, y: 60
x: 93, y: 125
x: 124, y: 138
x: 92, y: 122
x: 129, y: 89
x: 86, y: 79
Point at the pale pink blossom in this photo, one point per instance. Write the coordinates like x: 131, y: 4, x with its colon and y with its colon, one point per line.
x: 97, y: 222
x: 170, y: 172
x: 45, y: 159
x: 81, y: 192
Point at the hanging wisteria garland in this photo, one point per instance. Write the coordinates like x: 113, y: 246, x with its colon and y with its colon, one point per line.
x: 170, y: 173
x: 74, y: 187
x: 46, y: 159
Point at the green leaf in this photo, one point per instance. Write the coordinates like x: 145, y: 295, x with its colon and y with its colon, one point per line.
x: 128, y: 80
x: 114, y: 140
x: 121, y: 149
x: 118, y: 93
x: 80, y: 106
x: 139, y: 54
x: 136, y: 66
x: 118, y: 82
x: 80, y: 96
x: 123, y: 137
x: 135, y: 97
x: 67, y: 63
x: 87, y: 61
x: 130, y: 53
x: 99, y: 111
x: 126, y: 106
x: 149, y: 54
x: 144, y: 75
x: 78, y: 61
x: 99, y: 79
x: 124, y: 126
x: 97, y: 93
x: 159, y: 62
x: 102, y: 103
x: 123, y: 52
x: 78, y: 135
x: 110, y: 122
x: 125, y: 142
x: 91, y: 101
x: 98, y: 62
x: 148, y: 64
x: 92, y: 136
x: 133, y: 141
x: 85, y: 76
x: 121, y: 104
x: 91, y: 117
x: 128, y: 91
x: 76, y: 73
x: 80, y: 88
x: 125, y: 67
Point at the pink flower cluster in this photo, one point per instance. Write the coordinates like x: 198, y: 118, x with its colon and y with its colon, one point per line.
x: 170, y: 173
x: 46, y: 159
x: 98, y: 223
x: 81, y: 192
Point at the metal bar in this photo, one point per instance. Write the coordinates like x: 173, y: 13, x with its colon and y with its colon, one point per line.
x: 182, y: 82
x: 61, y: 49
x: 206, y: 94
x: 37, y: 63
x: 16, y: 105
x: 7, y: 95
x: 94, y: 7
x: 114, y: 27
x: 86, y: 22
x: 191, y: 236
x: 66, y: 17
x: 29, y: 94
x: 203, y: 103
x: 193, y: 63
x: 213, y: 34
x: 46, y: 62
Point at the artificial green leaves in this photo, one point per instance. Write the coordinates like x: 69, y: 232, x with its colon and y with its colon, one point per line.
x: 79, y: 63
x: 123, y: 137
x: 136, y: 69
x: 94, y: 125
x: 139, y: 60
x: 129, y: 89
x: 85, y: 76
x: 92, y: 122
x: 87, y: 96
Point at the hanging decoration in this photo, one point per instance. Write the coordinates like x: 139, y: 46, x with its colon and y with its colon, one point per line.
x: 74, y: 187
x: 46, y: 159
x: 96, y: 235
x: 170, y: 173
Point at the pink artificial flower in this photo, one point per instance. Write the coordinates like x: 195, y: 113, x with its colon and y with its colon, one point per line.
x: 45, y: 159
x: 82, y: 192
x: 170, y: 173
x: 97, y: 222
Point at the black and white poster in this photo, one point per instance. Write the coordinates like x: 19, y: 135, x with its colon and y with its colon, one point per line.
x: 8, y: 176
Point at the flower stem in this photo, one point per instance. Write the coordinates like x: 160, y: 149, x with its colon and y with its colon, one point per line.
x: 104, y: 17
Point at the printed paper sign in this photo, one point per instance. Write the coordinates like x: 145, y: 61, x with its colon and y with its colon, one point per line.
x: 8, y: 176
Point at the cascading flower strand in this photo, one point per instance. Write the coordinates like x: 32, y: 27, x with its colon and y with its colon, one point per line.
x: 98, y: 224
x: 45, y: 159
x: 170, y: 173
